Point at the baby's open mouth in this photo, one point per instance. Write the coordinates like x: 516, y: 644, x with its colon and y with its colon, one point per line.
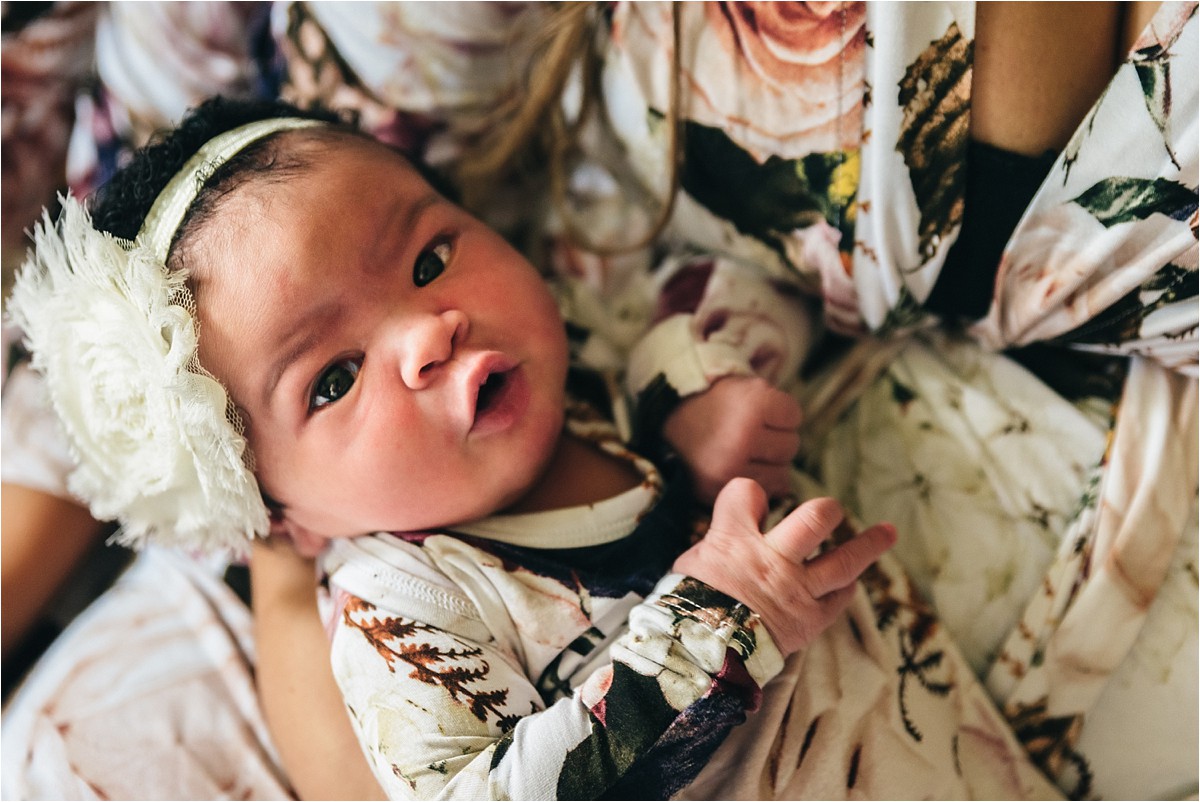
x: 489, y: 392
x: 502, y: 396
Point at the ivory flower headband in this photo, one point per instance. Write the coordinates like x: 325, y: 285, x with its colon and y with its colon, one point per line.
x: 157, y: 442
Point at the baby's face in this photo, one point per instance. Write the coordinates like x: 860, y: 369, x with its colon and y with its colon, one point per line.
x: 398, y: 364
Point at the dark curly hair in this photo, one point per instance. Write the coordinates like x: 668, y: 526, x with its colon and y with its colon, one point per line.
x: 121, y: 205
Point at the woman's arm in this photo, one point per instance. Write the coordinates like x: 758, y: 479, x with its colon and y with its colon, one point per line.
x: 45, y: 537
x: 300, y: 699
x: 1030, y: 90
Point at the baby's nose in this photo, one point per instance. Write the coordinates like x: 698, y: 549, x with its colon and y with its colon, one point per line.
x: 431, y: 341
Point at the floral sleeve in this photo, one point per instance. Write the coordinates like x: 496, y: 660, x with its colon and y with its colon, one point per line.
x: 717, y: 317
x: 674, y: 327
x: 442, y: 715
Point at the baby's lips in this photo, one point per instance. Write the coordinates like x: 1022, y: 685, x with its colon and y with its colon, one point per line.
x: 479, y: 367
x: 509, y: 394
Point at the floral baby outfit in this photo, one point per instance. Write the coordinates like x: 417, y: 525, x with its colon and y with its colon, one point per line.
x: 540, y: 656
x: 1045, y: 498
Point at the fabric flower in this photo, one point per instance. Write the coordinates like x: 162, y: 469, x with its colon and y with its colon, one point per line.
x: 112, y: 331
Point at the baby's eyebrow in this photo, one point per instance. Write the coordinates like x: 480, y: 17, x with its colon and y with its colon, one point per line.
x: 397, y: 228
x: 298, y: 340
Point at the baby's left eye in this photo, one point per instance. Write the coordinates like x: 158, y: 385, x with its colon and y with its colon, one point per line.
x: 333, y: 383
x: 430, y: 263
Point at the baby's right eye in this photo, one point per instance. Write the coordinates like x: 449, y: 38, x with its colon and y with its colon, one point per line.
x: 333, y: 383
x: 431, y: 263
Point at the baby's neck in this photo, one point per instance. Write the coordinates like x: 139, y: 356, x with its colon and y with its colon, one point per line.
x: 578, y: 473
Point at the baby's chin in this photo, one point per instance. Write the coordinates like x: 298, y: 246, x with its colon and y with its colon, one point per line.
x: 483, y: 505
x: 504, y: 487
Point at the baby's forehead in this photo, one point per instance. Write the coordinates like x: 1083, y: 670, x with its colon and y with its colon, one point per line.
x: 309, y: 179
x: 289, y: 158
x: 314, y: 144
x: 350, y: 163
x: 311, y: 144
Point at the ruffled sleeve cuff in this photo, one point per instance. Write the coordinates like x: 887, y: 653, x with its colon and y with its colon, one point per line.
x: 711, y: 627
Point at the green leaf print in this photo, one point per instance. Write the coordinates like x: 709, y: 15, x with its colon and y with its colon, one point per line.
x: 1121, y: 199
x: 767, y: 201
x: 1153, y: 67
x: 1155, y: 77
x: 935, y: 96
x: 635, y: 714
x: 1122, y: 321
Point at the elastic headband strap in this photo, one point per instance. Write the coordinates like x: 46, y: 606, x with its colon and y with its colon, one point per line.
x: 177, y: 197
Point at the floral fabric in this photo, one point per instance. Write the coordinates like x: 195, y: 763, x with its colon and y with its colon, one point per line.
x: 472, y: 668
x: 1048, y: 521
x: 1017, y: 490
x: 43, y: 66
x: 420, y: 78
x: 148, y: 695
x: 155, y: 61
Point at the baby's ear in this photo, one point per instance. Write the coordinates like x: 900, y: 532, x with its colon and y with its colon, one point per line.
x: 306, y: 542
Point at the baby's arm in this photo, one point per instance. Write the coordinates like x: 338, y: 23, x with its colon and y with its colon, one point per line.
x: 453, y: 715
x: 300, y: 700
x: 450, y: 716
x: 707, y: 375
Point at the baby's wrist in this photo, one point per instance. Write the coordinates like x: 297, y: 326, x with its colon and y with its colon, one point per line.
x: 731, y: 625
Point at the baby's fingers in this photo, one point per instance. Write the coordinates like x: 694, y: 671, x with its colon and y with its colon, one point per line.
x: 840, y: 567
x: 740, y: 506
x: 799, y: 534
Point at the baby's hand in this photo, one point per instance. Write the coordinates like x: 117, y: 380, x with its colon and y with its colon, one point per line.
x: 797, y: 598
x: 741, y: 426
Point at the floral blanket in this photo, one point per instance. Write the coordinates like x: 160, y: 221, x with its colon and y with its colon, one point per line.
x: 1047, y: 509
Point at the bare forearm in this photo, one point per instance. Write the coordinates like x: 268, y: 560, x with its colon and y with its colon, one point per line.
x: 1030, y: 93
x: 300, y: 699
x: 45, y: 537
